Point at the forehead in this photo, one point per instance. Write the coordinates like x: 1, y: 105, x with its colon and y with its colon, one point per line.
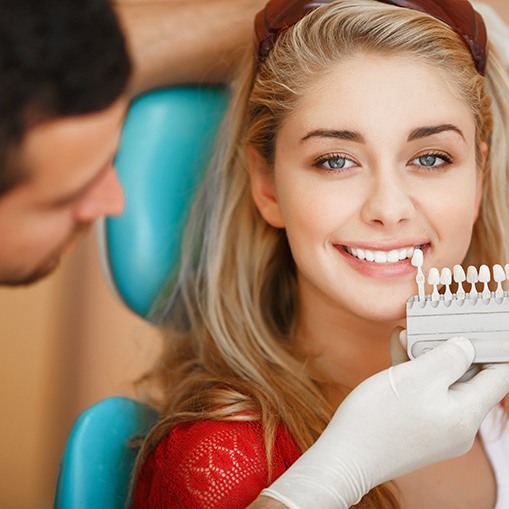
x: 64, y: 152
x: 389, y: 92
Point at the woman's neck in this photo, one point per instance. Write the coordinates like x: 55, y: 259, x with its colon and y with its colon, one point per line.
x: 341, y: 348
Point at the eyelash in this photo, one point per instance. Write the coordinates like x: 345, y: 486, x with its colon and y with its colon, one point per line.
x: 447, y: 161
x: 319, y: 162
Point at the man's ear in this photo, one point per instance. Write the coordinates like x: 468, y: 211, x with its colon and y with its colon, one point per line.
x: 263, y: 188
x: 480, y: 178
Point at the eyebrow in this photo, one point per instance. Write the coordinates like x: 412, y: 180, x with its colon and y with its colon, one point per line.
x: 85, y: 187
x: 343, y: 134
x: 346, y: 134
x: 423, y: 132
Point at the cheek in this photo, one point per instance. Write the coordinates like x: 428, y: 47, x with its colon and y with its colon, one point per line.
x: 48, y: 232
x: 451, y: 209
x: 309, y: 209
x: 316, y: 215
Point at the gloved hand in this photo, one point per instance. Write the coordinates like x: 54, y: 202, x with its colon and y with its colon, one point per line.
x: 398, y: 346
x: 398, y: 352
x: 395, y: 422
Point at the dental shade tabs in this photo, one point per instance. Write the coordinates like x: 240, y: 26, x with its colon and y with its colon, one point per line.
x: 473, y: 310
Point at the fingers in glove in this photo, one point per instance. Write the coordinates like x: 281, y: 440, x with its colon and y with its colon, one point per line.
x: 398, y: 346
x: 488, y: 387
x: 443, y: 365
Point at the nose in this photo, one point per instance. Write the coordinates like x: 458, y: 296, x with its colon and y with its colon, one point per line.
x: 389, y: 202
x: 105, y: 198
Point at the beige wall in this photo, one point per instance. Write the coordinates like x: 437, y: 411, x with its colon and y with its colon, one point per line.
x: 67, y: 342
x: 501, y: 6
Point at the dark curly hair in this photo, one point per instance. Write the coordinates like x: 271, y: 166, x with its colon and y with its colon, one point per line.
x: 57, y: 58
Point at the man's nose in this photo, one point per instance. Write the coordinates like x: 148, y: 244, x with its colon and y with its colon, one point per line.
x: 106, y: 198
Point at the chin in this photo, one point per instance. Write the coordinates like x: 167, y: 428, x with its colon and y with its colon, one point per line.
x: 385, y: 309
x: 33, y: 277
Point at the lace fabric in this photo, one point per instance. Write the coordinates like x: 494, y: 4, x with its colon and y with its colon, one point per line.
x: 211, y: 465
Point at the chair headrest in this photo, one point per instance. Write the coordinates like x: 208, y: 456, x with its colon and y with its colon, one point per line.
x: 166, y: 144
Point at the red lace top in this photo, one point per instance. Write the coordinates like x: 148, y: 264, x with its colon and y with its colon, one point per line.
x: 212, y: 465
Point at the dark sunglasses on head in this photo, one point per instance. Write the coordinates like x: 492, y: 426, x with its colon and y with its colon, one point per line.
x: 279, y: 15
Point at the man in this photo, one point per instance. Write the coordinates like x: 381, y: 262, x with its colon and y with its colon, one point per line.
x: 64, y: 69
x: 63, y: 97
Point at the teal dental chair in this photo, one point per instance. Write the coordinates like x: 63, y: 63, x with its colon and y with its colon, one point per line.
x: 166, y: 144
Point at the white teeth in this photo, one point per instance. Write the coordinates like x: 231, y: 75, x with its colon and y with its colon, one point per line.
x: 393, y: 256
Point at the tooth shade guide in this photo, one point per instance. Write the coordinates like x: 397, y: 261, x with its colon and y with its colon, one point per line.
x: 417, y: 258
x: 484, y: 278
x: 459, y: 277
x: 499, y: 276
x: 482, y: 317
x: 442, y: 283
x: 446, y: 280
x: 418, y: 261
x: 434, y: 280
x: 472, y: 278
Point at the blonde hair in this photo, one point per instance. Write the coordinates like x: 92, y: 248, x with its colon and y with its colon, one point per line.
x: 229, y: 317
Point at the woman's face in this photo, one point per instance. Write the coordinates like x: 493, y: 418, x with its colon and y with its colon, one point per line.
x: 377, y: 159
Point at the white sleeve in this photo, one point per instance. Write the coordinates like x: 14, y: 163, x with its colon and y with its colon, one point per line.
x: 498, y: 31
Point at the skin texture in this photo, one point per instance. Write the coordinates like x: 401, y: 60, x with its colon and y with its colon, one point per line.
x: 66, y: 189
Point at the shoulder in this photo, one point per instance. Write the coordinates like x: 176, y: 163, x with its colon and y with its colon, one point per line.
x: 215, y: 464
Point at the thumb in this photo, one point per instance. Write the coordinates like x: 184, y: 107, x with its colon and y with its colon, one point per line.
x: 398, y: 346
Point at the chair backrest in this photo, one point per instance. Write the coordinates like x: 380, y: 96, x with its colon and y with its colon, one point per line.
x: 96, y: 466
x: 166, y: 144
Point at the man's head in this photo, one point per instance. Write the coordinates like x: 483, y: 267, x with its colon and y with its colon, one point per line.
x: 63, y: 72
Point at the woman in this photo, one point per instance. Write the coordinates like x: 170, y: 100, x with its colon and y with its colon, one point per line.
x: 361, y: 129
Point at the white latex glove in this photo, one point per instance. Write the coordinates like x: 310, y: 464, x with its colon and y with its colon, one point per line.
x: 395, y: 422
x: 398, y: 351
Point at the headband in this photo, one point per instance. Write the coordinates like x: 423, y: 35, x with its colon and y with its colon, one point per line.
x: 279, y: 15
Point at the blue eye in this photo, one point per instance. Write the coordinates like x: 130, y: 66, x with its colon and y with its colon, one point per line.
x: 431, y: 160
x: 334, y: 162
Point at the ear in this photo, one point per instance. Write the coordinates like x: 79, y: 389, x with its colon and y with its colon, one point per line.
x: 263, y: 188
x: 480, y: 178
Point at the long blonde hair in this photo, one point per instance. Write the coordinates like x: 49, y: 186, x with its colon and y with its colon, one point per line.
x: 229, y: 311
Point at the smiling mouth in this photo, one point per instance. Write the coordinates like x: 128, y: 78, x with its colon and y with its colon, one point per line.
x: 377, y: 256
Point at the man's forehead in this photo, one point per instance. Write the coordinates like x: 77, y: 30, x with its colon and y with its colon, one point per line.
x: 67, y: 151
